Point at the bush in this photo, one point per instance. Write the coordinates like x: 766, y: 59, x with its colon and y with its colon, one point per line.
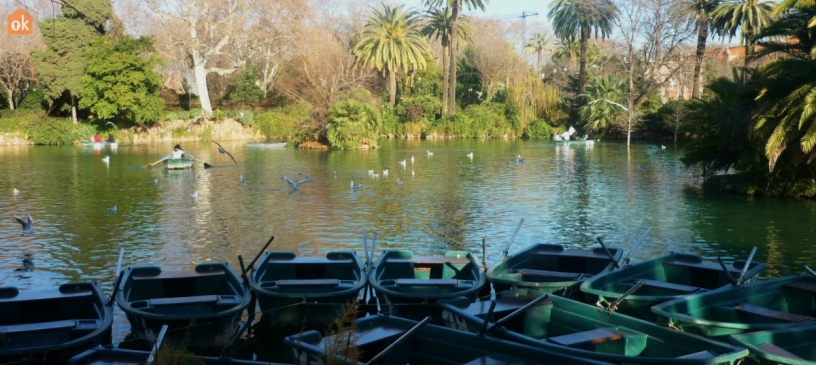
x: 353, y: 124
x: 181, y: 114
x: 457, y: 125
x: 539, y: 129
x: 247, y: 118
x: 18, y: 120
x: 389, y: 122
x: 416, y: 108
x: 281, y: 122
x: 51, y: 131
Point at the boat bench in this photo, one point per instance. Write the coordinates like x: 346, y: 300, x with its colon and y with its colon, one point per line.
x: 198, y: 299
x: 487, y: 360
x: 702, y: 355
x: 549, y: 274
x: 427, y: 282
x: 178, y: 275
x: 778, y: 351
x: 773, y: 314
x: 308, y: 282
x: 802, y: 285
x: 594, y: 336
x: 668, y: 286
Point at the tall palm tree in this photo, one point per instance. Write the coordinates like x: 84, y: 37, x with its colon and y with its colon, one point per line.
x: 538, y: 43
x: 748, y: 16
x: 392, y: 40
x: 600, y: 113
x: 700, y: 13
x: 456, y: 7
x: 438, y: 25
x: 582, y: 18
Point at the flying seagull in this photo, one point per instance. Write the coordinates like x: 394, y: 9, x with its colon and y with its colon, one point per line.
x: 295, y: 185
x: 222, y: 150
x: 26, y: 224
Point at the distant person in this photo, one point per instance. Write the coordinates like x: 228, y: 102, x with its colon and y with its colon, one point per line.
x: 178, y: 152
x: 110, y: 139
x: 96, y: 138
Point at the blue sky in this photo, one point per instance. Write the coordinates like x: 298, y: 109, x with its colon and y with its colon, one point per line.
x: 499, y: 8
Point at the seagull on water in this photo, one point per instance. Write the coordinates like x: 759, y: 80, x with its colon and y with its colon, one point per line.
x: 470, y: 155
x: 402, y: 163
x: 222, y: 150
x: 194, y: 194
x: 412, y: 160
x: 519, y: 159
x: 106, y: 159
x: 399, y: 181
x: 355, y: 186
x: 430, y: 153
x: 27, y: 224
x: 113, y: 209
x: 385, y: 173
x: 662, y: 147
x: 16, y: 191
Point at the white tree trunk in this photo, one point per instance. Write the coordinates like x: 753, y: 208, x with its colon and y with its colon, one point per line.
x: 11, y: 99
x: 200, y: 75
x: 73, y: 109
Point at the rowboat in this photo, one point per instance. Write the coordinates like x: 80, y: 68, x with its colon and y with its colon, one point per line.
x: 93, y: 144
x: 178, y: 163
x: 551, y: 268
x: 293, y: 291
x: 51, y: 325
x: 400, y: 278
x: 793, y: 346
x: 102, y: 356
x: 663, y: 279
x: 569, y: 327
x: 266, y: 144
x: 766, y: 305
x: 199, y: 306
x: 390, y: 340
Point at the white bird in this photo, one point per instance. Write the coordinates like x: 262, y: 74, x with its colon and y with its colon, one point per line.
x: 430, y: 153
x: 27, y: 224
x: 106, y: 159
x: 16, y: 191
x: 194, y: 194
x: 113, y: 209
x: 519, y: 159
x: 385, y: 172
x: 241, y: 177
x: 156, y: 181
x: 375, y: 175
x: 402, y: 163
x: 355, y: 186
x: 399, y: 181
x: 412, y: 159
x: 335, y: 175
x: 662, y: 147
x: 412, y: 172
x: 470, y: 155
x: 370, y: 172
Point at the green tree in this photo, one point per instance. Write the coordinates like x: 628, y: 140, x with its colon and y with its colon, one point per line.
x: 538, y: 43
x: 700, y: 13
x: 352, y: 124
x: 438, y: 25
x: 582, y: 18
x: 120, y: 82
x: 68, y: 37
x: 391, y: 40
x: 456, y: 7
x: 600, y: 113
x: 745, y: 16
x: 246, y: 88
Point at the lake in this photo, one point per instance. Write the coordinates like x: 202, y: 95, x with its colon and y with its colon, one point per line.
x: 569, y: 194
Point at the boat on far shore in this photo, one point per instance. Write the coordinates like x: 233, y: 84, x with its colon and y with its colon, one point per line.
x: 99, y: 144
x: 279, y: 144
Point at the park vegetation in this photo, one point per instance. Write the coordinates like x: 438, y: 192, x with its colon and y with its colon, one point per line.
x: 348, y: 73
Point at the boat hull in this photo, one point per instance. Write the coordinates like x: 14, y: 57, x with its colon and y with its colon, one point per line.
x: 178, y: 163
x: 665, y: 278
x: 761, y: 306
x: 566, y: 326
x: 266, y: 144
x: 52, y: 325
x: 294, y: 291
x: 126, y: 357
x: 790, y: 346
x: 201, y: 307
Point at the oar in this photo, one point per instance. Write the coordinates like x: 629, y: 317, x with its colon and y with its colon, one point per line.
x: 403, y: 338
x: 507, y: 249
x: 367, y: 267
x: 614, y: 305
x: 637, y: 245
x: 156, y: 346
x: 747, y: 264
x: 727, y: 272
x: 151, y: 164
x: 484, y: 255
x: 371, y: 290
x: 191, y: 155
x: 516, y: 312
x: 117, y: 278
x: 609, y: 253
x: 252, y: 264
x: 488, y: 317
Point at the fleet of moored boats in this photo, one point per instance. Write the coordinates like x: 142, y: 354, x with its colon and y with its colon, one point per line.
x: 547, y: 305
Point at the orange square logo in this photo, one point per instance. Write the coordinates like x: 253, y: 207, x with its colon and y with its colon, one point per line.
x: 20, y: 23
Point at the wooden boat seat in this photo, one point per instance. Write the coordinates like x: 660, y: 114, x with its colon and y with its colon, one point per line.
x: 802, y: 285
x: 487, y: 360
x: 178, y: 274
x: 595, y: 336
x: 549, y: 274
x: 430, y: 260
x: 198, y: 299
x: 778, y: 351
x: 702, y: 355
x: 668, y: 286
x: 770, y: 313
x: 427, y: 282
x: 44, y: 326
x: 308, y: 282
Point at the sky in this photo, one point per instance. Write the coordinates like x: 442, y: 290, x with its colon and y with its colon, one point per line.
x: 501, y: 8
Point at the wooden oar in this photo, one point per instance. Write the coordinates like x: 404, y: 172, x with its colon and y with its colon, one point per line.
x: 507, y: 249
x: 403, y: 338
x: 726, y: 271
x: 810, y: 271
x: 625, y: 261
x: 484, y: 255
x: 156, y: 346
x: 117, y: 278
x: 516, y: 312
x: 745, y: 267
x: 614, y: 305
x: 367, y: 267
x: 252, y: 264
x: 151, y: 164
x: 609, y: 253
x: 488, y: 317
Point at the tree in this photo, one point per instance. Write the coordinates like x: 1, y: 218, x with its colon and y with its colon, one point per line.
x: 494, y: 57
x: 603, y: 97
x: 68, y: 37
x: 120, y: 82
x: 700, y: 13
x: 582, y: 18
x: 245, y: 87
x: 353, y: 124
x: 438, y: 25
x: 17, y: 71
x: 747, y: 16
x: 456, y: 7
x: 391, y: 41
x: 538, y: 43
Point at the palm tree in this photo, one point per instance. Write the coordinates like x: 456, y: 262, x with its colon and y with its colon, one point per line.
x: 352, y: 124
x: 582, y: 18
x: 456, y: 7
x: 749, y: 16
x: 700, y: 12
x: 438, y: 25
x: 391, y: 40
x: 600, y: 112
x: 538, y: 44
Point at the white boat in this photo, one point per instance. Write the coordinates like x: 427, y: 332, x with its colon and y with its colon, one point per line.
x: 266, y: 144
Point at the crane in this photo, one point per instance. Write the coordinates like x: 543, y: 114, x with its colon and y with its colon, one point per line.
x: 523, y: 15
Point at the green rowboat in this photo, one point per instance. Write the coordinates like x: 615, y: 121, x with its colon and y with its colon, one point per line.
x: 791, y: 346
x: 550, y: 268
x: 400, y: 279
x: 664, y: 278
x: 178, y: 163
x: 386, y: 340
x: 293, y: 291
x: 766, y: 305
x: 565, y: 326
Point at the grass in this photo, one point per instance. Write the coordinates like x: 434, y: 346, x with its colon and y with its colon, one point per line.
x: 341, y: 337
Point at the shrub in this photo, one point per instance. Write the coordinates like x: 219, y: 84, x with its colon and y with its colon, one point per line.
x: 539, y: 129
x: 51, y: 131
x: 416, y: 108
x: 353, y: 124
x: 281, y: 122
x: 247, y: 118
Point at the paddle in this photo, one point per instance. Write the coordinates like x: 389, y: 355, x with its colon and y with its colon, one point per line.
x: 371, y: 296
x: 151, y: 164
x: 117, y: 278
x: 609, y: 253
x: 156, y: 346
x: 484, y: 255
x: 507, y: 249
x: 516, y: 312
x: 367, y: 266
x: 483, y: 329
x: 810, y: 271
x: 403, y: 338
x: 252, y: 264
x: 614, y: 305
x: 727, y: 272
x: 745, y: 267
x: 637, y: 245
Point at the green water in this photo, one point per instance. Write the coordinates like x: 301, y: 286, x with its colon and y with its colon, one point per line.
x: 567, y: 194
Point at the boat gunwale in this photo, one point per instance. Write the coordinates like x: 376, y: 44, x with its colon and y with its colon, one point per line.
x: 375, y: 283
x: 356, y: 288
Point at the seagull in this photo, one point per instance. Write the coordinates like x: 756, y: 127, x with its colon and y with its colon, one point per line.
x: 662, y: 147
x: 412, y: 160
x: 296, y: 184
x: 27, y: 225
x: 370, y: 172
x: 241, y: 177
x: 399, y: 181
x: 112, y: 209
x: 430, y: 153
x: 16, y: 191
x: 194, y: 194
x: 402, y: 163
x: 355, y: 186
x: 519, y: 159
x: 335, y: 175
x: 412, y: 172
x: 385, y: 172
x: 222, y: 150
x: 156, y: 181
x: 470, y: 155
x: 106, y: 159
